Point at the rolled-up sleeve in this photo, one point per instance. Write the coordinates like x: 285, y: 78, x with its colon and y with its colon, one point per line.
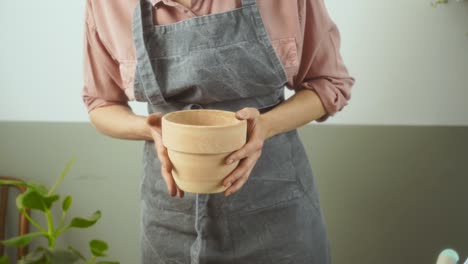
x: 102, y: 83
x: 322, y: 68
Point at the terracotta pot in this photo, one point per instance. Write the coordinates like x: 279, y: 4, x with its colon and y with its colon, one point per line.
x: 198, y: 142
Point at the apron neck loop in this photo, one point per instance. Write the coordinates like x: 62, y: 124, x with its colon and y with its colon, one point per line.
x: 142, y: 30
x: 146, y: 9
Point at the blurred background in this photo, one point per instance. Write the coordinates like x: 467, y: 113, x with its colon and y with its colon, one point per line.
x: 391, y: 168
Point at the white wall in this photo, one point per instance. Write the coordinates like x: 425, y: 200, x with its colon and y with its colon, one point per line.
x: 410, y: 61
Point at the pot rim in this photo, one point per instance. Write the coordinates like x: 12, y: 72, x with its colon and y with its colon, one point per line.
x: 237, y: 121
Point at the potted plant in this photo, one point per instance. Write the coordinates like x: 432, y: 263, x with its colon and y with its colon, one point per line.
x: 40, y: 199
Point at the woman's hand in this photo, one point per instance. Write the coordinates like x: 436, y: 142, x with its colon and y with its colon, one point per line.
x: 154, y: 122
x: 249, y: 153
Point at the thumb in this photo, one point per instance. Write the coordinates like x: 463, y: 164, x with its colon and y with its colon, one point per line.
x: 154, y: 121
x: 247, y: 113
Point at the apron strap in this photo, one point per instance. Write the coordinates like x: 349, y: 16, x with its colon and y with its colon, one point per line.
x: 248, y: 2
x: 146, y: 13
x: 142, y: 30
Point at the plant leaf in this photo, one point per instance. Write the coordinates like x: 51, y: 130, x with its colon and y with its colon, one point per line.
x: 98, y: 248
x: 30, y: 185
x: 41, y: 189
x: 19, y: 201
x: 42, y: 256
x: 16, y: 183
x: 67, y: 203
x: 79, y: 222
x: 72, y: 249
x: 21, y: 240
x: 108, y: 262
x: 62, y: 175
x: 4, y: 260
x: 63, y: 256
x: 35, y: 200
x: 38, y: 256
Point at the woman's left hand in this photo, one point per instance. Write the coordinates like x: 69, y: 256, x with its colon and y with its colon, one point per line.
x: 249, y: 153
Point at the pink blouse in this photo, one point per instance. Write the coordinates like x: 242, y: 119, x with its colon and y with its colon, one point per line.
x: 304, y: 36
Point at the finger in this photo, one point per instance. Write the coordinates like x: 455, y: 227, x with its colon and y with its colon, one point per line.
x: 181, y: 192
x: 255, y: 139
x: 251, y: 115
x: 247, y: 150
x: 154, y: 121
x: 238, y: 184
x: 163, y: 157
x: 170, y: 183
x: 236, y: 173
x: 248, y: 113
x: 166, y: 167
x: 162, y: 152
x: 244, y: 166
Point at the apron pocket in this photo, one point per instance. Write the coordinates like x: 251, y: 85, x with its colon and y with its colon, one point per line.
x: 273, y: 179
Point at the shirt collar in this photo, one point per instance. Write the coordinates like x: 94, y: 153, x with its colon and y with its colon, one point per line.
x: 155, y: 2
x: 176, y: 5
x: 167, y: 2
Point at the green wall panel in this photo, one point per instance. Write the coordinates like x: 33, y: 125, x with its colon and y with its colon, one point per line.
x: 390, y: 194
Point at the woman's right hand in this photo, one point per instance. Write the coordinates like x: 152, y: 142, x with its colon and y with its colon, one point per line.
x: 154, y: 123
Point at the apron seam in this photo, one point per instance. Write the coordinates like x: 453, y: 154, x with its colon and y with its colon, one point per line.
x: 286, y: 201
x: 266, y: 41
x: 234, y: 259
x: 193, y: 21
x: 314, y: 204
x: 191, y: 51
x: 145, y: 237
x: 158, y: 206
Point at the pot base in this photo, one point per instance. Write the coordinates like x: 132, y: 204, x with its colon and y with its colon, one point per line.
x: 195, y: 187
x: 200, y: 173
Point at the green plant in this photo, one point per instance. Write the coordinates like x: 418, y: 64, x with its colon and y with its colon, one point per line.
x: 38, y: 198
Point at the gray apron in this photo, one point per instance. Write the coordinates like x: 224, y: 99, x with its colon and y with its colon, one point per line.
x: 224, y: 61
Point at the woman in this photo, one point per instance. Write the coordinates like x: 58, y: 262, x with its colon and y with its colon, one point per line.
x: 235, y: 55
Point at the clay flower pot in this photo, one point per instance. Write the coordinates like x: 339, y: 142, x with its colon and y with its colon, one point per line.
x: 198, y: 142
